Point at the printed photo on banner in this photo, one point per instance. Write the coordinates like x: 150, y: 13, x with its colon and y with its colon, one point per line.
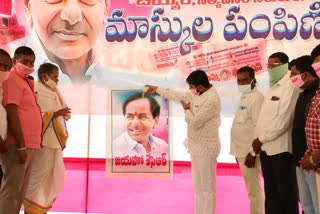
x: 221, y: 61
x: 139, y: 140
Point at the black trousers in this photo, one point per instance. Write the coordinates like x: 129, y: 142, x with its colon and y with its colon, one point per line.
x: 280, y: 184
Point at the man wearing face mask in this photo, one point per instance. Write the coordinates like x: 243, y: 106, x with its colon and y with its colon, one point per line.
x: 5, y: 66
x: 241, y: 137
x: 24, y: 130
x: 315, y: 54
x: 303, y: 77
x: 202, y: 114
x: 47, y: 176
x: 273, y: 138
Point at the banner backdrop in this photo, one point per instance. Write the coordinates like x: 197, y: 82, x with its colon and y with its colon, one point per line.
x: 101, y: 45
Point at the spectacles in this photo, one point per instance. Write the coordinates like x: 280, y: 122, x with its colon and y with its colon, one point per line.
x: 274, y: 63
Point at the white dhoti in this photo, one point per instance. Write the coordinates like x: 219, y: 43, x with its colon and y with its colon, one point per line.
x: 46, y: 180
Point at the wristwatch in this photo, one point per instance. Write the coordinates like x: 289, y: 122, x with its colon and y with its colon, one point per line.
x: 252, y: 153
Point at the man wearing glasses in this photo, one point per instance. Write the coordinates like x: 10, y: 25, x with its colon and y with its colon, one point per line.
x: 273, y: 139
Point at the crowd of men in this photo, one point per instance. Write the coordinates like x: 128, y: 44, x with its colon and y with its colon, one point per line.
x: 33, y: 134
x: 279, y: 132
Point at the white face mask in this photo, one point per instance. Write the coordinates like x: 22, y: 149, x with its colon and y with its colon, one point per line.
x: 52, y: 84
x: 245, y: 89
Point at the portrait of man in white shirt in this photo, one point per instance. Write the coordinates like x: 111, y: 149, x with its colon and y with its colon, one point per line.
x: 141, y: 116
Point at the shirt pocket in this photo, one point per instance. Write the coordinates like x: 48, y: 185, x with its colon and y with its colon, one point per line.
x: 195, y: 107
x: 28, y: 98
x: 272, y: 109
x: 242, y: 115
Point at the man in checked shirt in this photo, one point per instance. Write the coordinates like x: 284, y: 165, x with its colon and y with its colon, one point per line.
x: 311, y: 159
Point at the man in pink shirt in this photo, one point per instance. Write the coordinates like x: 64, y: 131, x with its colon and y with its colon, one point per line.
x: 24, y: 130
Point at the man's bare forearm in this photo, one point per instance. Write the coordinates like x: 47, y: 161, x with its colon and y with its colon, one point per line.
x: 14, y: 124
x: 3, y: 147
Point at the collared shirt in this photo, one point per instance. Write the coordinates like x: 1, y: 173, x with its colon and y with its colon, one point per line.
x: 299, y: 143
x: 203, y: 119
x: 244, y: 123
x: 124, y: 145
x: 274, y: 126
x: 313, y: 124
x: 18, y: 89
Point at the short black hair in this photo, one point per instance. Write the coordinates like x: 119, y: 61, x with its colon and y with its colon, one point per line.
x: 281, y: 56
x: 46, y: 68
x: 292, y: 63
x: 5, y: 53
x: 304, y: 64
x: 154, y: 105
x: 247, y: 69
x: 315, y: 52
x: 23, y: 50
x: 198, y: 77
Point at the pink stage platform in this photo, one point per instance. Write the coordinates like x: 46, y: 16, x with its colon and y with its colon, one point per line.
x: 144, y: 196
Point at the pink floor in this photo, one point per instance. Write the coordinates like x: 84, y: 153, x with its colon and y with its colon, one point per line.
x: 144, y: 196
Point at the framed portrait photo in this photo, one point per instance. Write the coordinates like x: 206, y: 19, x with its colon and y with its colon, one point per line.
x: 139, y: 142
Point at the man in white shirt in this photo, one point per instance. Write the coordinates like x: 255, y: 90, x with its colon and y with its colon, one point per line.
x: 202, y: 114
x: 47, y: 175
x: 241, y: 137
x: 273, y: 139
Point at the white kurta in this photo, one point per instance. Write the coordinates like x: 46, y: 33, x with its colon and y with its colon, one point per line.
x: 242, y: 135
x: 203, y: 143
x: 203, y: 120
x: 244, y: 123
x: 274, y: 125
